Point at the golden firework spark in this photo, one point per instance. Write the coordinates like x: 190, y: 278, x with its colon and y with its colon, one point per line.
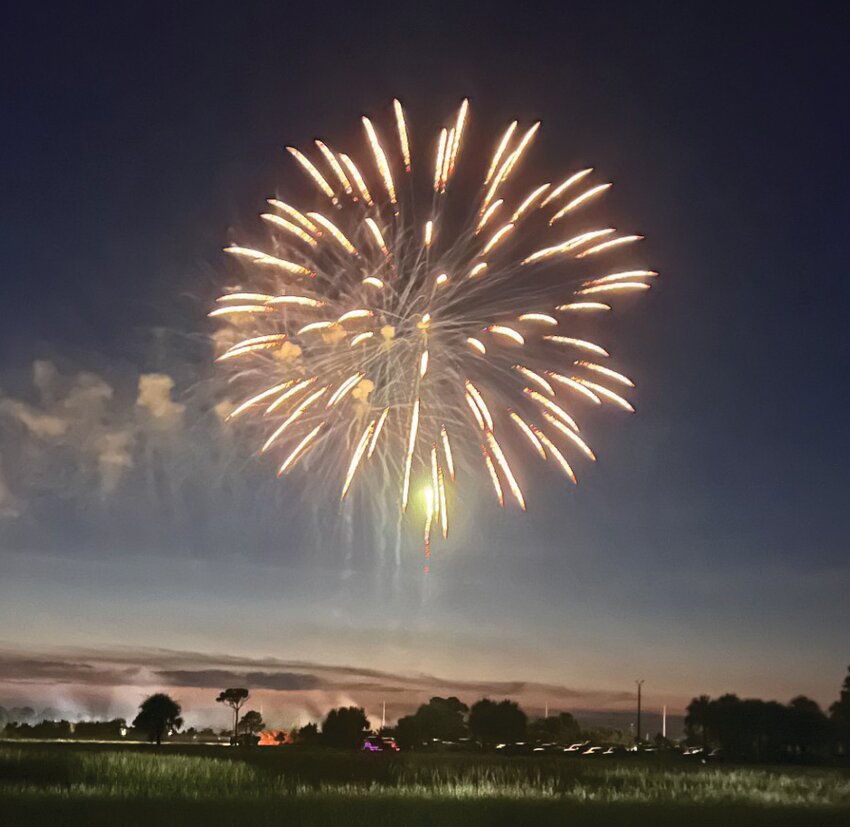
x: 361, y: 330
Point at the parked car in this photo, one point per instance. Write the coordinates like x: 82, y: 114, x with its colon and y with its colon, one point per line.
x: 377, y: 743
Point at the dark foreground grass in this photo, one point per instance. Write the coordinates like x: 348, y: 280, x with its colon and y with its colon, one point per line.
x: 67, y: 784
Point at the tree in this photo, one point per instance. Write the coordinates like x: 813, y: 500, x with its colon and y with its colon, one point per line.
x: 252, y: 722
x: 345, y: 727
x: 493, y: 723
x: 158, y: 714
x: 235, y: 699
x: 839, y: 714
x: 697, y: 721
x: 441, y: 719
x: 559, y: 729
x: 806, y: 727
x: 308, y: 734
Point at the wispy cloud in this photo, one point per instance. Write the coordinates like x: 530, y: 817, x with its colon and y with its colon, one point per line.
x: 304, y: 685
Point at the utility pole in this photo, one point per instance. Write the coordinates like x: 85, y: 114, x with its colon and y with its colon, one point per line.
x: 639, y: 684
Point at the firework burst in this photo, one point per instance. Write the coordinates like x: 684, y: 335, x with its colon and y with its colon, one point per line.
x: 385, y: 331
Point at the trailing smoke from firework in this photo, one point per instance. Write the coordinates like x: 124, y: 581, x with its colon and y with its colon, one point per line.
x: 380, y: 335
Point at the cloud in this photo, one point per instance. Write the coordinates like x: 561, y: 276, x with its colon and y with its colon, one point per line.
x: 40, y: 425
x: 200, y: 671
x: 9, y: 506
x: 217, y: 678
x: 155, y: 396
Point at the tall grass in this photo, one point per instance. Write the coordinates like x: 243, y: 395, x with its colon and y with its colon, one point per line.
x: 275, y: 775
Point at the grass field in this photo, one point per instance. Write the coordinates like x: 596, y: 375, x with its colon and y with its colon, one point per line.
x: 89, y: 784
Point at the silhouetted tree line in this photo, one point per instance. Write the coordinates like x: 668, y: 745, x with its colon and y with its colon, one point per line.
x: 750, y: 729
x: 743, y: 729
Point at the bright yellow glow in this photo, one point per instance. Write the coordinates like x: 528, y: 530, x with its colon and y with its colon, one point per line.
x: 447, y: 451
x: 460, y: 123
x: 611, y: 374
x: 494, y: 477
x: 563, y: 187
x: 402, y: 133
x: 317, y: 176
x: 536, y: 378
x: 502, y: 462
x: 337, y: 169
x: 507, y: 332
x: 376, y: 234
x: 361, y: 337
x: 250, y: 348
x: 289, y: 391
x: 583, y: 306
x: 245, y: 297
x: 607, y: 245
x: 479, y: 401
x: 572, y: 384
x: 442, y: 279
x: 551, y: 407
x: 296, y: 414
x: 625, y: 275
x: 250, y: 402
x: 380, y: 159
x: 334, y: 231
x: 529, y: 434
x: 444, y: 511
x: 570, y: 434
x: 423, y: 364
x: 444, y: 175
x: 259, y: 257
x: 372, y: 281
x: 377, y: 432
x: 356, y: 457
x: 579, y: 343
x: 559, y: 457
x: 438, y: 161
x: 476, y: 411
x: 497, y: 237
x: 477, y: 270
x: 578, y: 201
x: 359, y: 313
x: 608, y: 394
x: 344, y: 389
x: 408, y: 458
x: 500, y: 150
x: 293, y: 213
x: 478, y: 345
x: 435, y: 473
x: 289, y: 227
x: 543, y: 318
x: 429, y: 233
x: 357, y: 178
x: 309, y: 328
x: 272, y: 339
x: 567, y: 246
x: 237, y: 309
x: 488, y: 214
x: 535, y: 194
x: 299, y: 450
x: 618, y: 287
x: 301, y: 301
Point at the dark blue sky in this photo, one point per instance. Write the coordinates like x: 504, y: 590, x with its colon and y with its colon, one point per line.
x: 711, y: 538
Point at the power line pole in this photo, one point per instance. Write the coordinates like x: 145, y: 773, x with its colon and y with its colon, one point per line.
x: 639, y: 684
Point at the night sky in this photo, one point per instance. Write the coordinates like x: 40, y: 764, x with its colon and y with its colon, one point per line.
x: 706, y: 551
